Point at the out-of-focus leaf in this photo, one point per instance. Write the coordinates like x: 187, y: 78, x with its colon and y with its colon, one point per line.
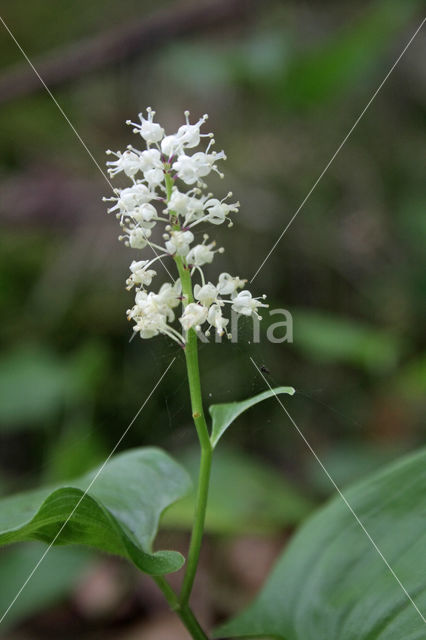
x: 257, y: 60
x: 273, y: 63
x: 33, y: 383
x: 331, y: 583
x: 246, y: 496
x: 411, y: 221
x: 223, y: 415
x: 55, y: 577
x: 74, y: 451
x: 328, y: 338
x: 347, y: 463
x: 330, y: 68
x: 87, y: 368
x: 119, y: 514
x: 198, y: 67
x: 411, y: 381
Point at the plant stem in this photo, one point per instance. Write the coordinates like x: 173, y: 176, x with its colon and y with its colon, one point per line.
x: 183, y: 611
x: 198, y: 526
x: 191, y: 356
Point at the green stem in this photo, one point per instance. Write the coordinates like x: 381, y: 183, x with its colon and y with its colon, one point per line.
x: 198, y: 526
x: 193, y: 372
x: 191, y: 356
x: 183, y: 611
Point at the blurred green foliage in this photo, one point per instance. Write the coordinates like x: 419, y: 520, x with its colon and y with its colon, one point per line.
x: 282, y: 87
x: 246, y: 497
x: 350, y: 269
x: 329, y: 338
x: 58, y: 574
x: 272, y: 62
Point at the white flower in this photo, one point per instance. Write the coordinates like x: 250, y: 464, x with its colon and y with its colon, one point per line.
x: 179, y: 242
x: 216, y: 319
x: 195, y: 208
x: 187, y: 169
x: 150, y: 317
x: 150, y: 323
x: 191, y: 168
x: 218, y: 210
x: 206, y: 294
x: 144, y: 213
x: 228, y: 285
x: 150, y: 159
x: 151, y: 165
x: 161, y: 303
x: 138, y: 309
x: 178, y: 202
x: 153, y: 172
x: 132, y: 161
x: 168, y: 298
x: 140, y: 274
x: 170, y: 145
x: 189, y: 134
x: 138, y: 238
x: 245, y: 304
x: 154, y: 177
x: 200, y: 254
x: 149, y: 130
x: 186, y: 205
x: 130, y: 198
x: 193, y: 316
x: 127, y: 162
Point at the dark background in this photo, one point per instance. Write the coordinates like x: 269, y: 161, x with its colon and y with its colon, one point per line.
x: 283, y: 83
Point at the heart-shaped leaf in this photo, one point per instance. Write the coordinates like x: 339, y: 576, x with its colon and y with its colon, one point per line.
x: 332, y: 584
x: 223, y: 415
x: 119, y: 513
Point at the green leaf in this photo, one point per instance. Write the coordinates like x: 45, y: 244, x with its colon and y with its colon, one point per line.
x: 41, y: 376
x: 328, y: 338
x: 245, y: 496
x: 347, y: 462
x: 331, y: 584
x: 54, y: 579
x: 118, y: 515
x: 49, y: 381
x: 322, y: 72
x: 223, y: 415
x: 410, y: 381
x: 75, y: 450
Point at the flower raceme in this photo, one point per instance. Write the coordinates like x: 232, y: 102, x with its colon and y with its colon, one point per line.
x: 167, y: 187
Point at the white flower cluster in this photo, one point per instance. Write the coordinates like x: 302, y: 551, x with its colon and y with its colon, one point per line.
x: 167, y: 186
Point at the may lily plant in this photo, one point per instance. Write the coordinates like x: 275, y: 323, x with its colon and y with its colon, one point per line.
x: 333, y: 582
x: 168, y: 189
